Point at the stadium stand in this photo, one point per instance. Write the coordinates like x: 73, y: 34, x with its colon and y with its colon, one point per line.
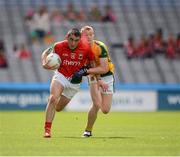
x: 133, y: 18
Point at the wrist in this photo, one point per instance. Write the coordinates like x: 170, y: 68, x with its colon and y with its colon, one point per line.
x: 88, y: 71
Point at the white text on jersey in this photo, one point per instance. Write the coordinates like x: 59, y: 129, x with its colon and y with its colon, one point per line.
x: 73, y: 63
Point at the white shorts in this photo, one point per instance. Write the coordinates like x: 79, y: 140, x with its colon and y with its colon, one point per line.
x: 109, y: 80
x: 69, y: 89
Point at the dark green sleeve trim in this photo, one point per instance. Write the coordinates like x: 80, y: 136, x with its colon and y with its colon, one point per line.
x: 104, y: 52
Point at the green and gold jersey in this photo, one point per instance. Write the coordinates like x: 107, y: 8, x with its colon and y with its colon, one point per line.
x: 100, y: 51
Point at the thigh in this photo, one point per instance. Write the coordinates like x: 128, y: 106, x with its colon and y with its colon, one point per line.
x: 107, y: 101
x: 63, y: 101
x: 56, y: 88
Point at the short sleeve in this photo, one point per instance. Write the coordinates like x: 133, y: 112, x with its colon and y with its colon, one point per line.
x: 55, y: 46
x: 104, y: 51
x: 58, y: 47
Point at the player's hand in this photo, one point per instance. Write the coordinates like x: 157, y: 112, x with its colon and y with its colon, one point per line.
x: 55, y: 67
x: 46, y: 66
x: 76, y: 79
x: 103, y: 85
x: 82, y: 71
x: 77, y: 76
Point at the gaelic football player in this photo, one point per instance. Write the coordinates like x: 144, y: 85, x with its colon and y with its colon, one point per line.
x: 74, y: 55
x: 101, y: 86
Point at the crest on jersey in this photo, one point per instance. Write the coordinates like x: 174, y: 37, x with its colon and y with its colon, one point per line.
x: 73, y: 55
x: 80, y: 57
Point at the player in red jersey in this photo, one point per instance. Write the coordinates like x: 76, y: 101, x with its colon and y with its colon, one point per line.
x: 64, y: 85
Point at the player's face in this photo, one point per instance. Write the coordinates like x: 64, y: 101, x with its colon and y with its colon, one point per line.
x: 90, y: 36
x: 73, y: 41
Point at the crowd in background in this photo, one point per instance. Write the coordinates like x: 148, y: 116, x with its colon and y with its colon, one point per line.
x: 3, y: 60
x: 152, y: 45
x: 39, y: 26
x: 19, y: 51
x: 39, y: 21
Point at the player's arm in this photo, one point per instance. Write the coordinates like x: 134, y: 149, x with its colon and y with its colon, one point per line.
x: 44, y: 56
x: 102, y: 68
x: 101, y: 83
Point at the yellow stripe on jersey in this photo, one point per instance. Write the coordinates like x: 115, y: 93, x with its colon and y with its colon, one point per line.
x: 100, y: 50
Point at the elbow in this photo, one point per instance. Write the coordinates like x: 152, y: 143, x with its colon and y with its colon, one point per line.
x: 43, y: 66
x: 105, y: 69
x: 42, y: 63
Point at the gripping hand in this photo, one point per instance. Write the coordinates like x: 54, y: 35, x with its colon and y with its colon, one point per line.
x: 77, y: 76
x: 82, y: 72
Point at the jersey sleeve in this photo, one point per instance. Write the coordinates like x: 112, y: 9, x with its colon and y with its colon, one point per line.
x: 104, y: 51
x: 58, y: 47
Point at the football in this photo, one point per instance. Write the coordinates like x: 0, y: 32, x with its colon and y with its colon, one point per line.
x: 53, y: 60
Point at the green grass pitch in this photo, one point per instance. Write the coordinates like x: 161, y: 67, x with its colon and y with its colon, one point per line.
x: 115, y: 134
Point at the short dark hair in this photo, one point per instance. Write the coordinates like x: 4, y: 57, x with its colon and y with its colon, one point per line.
x: 74, y: 31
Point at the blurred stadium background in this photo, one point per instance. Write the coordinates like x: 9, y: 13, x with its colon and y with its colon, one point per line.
x: 158, y: 75
x: 145, y: 82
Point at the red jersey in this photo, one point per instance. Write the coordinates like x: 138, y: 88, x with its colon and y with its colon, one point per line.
x: 72, y: 60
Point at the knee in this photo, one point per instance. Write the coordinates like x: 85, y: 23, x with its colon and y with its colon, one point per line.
x: 58, y: 109
x: 97, y: 104
x: 95, y: 108
x: 105, y: 110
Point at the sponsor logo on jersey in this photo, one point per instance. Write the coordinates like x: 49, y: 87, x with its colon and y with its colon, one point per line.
x: 72, y: 63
